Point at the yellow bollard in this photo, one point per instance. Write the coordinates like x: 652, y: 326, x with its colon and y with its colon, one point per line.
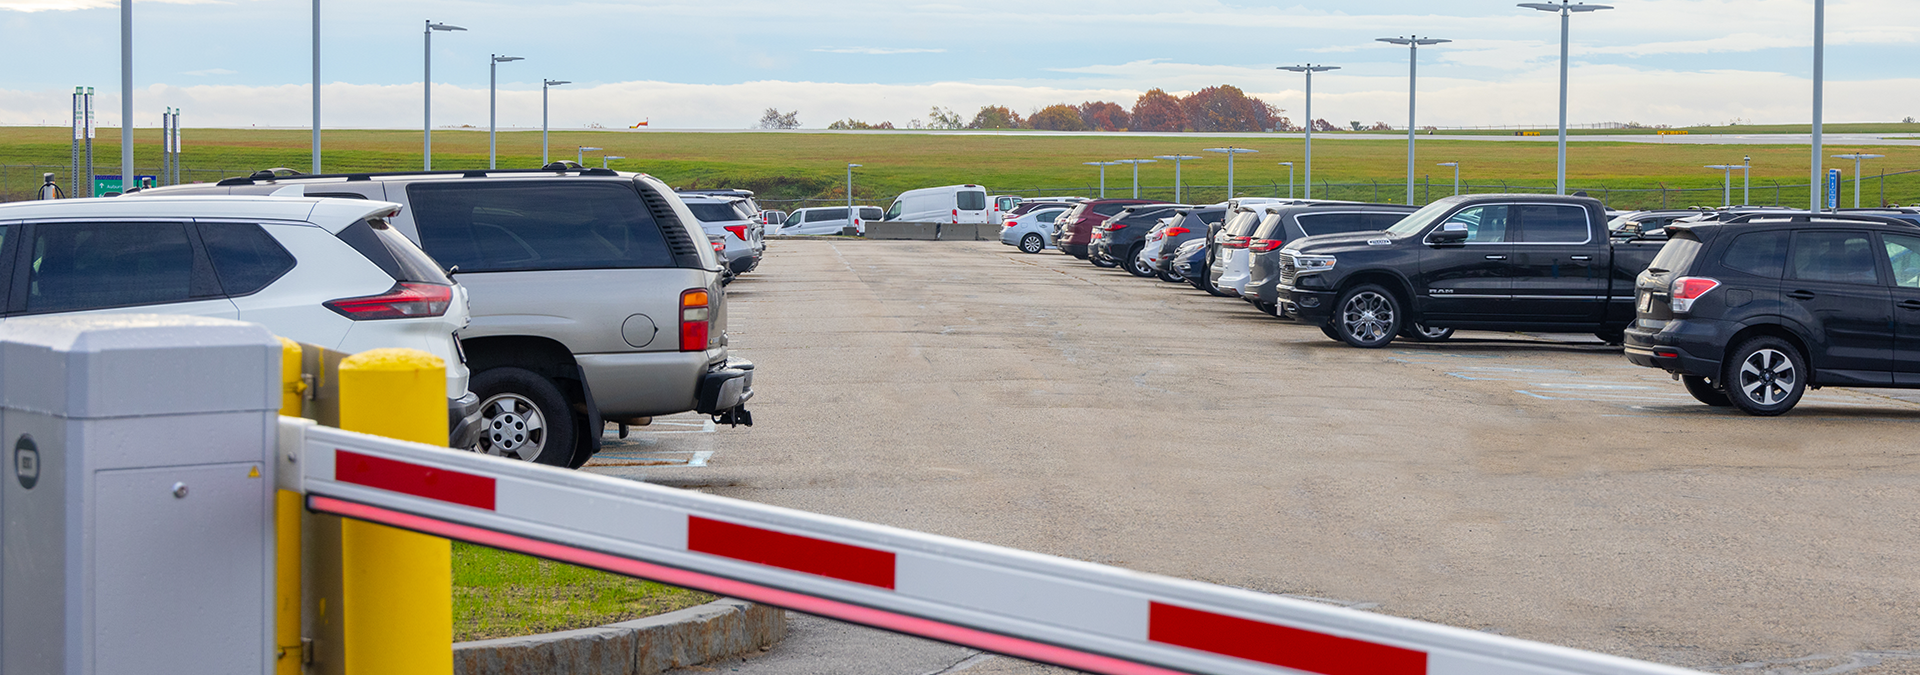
x: 286, y: 532
x: 396, y: 586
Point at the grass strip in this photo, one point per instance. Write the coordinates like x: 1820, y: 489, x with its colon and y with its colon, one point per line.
x: 502, y: 594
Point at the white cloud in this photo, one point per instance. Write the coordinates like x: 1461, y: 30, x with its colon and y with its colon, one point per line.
x: 73, y: 5
x: 211, y: 71
x: 877, y: 50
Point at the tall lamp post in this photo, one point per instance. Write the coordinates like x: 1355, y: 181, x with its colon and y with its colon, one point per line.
x: 1819, y: 100
x: 850, y: 168
x: 580, y: 153
x: 1413, y: 44
x: 544, y: 84
x: 1289, y: 166
x: 1136, y: 172
x: 426, y: 149
x: 1103, y: 175
x: 1230, y: 152
x: 1726, y: 181
x: 1746, y: 181
x: 493, y: 79
x: 1566, y: 10
x: 1309, y: 69
x: 1176, y: 171
x: 1856, y: 157
x: 316, y: 95
x: 1456, y: 175
x: 126, y: 104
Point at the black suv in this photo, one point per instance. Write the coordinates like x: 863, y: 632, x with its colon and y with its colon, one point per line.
x: 1752, y: 310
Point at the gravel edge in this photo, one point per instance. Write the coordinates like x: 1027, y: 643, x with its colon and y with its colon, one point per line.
x: 716, y: 630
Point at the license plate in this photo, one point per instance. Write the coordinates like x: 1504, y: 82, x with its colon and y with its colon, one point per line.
x: 1646, y: 301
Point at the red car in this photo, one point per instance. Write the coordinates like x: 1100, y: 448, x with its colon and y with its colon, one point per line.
x: 1075, y: 229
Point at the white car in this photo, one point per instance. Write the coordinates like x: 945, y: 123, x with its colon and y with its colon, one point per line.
x: 946, y: 204
x: 328, y: 272
x: 731, y: 222
x: 829, y: 220
x: 1032, y: 231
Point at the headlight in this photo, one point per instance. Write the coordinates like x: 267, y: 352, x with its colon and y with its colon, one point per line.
x: 1308, y: 264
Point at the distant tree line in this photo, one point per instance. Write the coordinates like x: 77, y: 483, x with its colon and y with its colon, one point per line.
x: 1219, y: 108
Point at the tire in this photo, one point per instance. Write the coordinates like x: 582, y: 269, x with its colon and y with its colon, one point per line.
x: 1032, y: 243
x: 1612, y: 337
x: 1171, y: 276
x: 1210, y: 287
x: 1764, y: 376
x: 524, y: 416
x: 1367, y: 316
x: 1101, y: 263
x: 1135, y: 264
x: 1419, y: 333
x: 1327, y: 330
x: 1706, y: 391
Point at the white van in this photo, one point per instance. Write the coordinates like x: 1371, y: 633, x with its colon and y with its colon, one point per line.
x: 950, y: 204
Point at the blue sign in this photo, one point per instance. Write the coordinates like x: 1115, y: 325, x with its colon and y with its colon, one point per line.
x: 1833, y: 188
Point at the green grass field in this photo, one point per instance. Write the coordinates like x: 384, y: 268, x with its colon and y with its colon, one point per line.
x: 501, y: 594
x: 787, y: 166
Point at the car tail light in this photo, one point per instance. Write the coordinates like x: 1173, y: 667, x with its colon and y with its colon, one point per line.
x: 1666, y: 353
x: 1264, y: 245
x: 694, y: 315
x: 1009, y: 224
x: 738, y: 231
x: 1688, y: 289
x: 956, y: 216
x: 719, y: 247
x: 1177, y: 231
x: 406, y: 300
x: 1236, y: 242
x: 1114, y: 227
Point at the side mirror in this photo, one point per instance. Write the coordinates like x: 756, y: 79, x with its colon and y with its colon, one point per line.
x: 1449, y: 233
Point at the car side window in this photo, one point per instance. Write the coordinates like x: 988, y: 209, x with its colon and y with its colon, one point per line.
x: 1485, y: 224
x: 1108, y: 209
x: 502, y: 227
x: 869, y: 213
x: 827, y: 214
x: 78, y: 266
x: 1382, y: 221
x: 245, y: 257
x: 1762, y: 254
x: 1553, y: 224
x: 1903, y: 252
x: 1334, y: 223
x: 1048, y: 216
x: 1844, y: 257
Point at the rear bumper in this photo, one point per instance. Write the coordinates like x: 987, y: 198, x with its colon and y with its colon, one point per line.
x: 726, y: 388
x: 463, y: 422
x: 1683, y: 347
x: 1075, y: 250
x: 744, y: 265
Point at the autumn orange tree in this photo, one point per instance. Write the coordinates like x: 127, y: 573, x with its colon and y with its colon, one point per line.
x: 996, y: 117
x: 1057, y: 117
x: 1158, y: 110
x: 1105, y: 116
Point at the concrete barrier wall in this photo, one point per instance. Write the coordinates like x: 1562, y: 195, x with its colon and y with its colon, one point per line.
x: 925, y: 231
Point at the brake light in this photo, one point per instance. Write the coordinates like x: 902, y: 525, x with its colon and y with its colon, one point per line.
x: 406, y: 300
x: 956, y: 216
x: 719, y: 247
x: 1177, y: 231
x: 1009, y: 224
x: 694, y: 315
x: 738, y: 231
x: 1236, y: 242
x: 1264, y: 245
x: 1116, y: 226
x: 1688, y: 289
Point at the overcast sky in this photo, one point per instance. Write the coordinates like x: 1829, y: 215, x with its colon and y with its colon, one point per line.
x: 706, y: 64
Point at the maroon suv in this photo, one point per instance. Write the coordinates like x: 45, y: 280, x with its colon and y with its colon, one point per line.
x: 1076, y: 228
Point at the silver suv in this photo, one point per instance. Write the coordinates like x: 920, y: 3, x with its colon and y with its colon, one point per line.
x: 596, y: 296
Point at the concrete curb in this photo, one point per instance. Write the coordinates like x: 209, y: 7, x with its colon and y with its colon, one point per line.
x: 716, y: 630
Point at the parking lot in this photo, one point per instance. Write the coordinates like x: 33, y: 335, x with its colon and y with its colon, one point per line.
x: 1529, y: 485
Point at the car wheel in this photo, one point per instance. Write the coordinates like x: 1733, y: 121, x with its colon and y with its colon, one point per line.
x: 523, y: 416
x: 1765, y: 376
x: 1171, y: 276
x: 1098, y: 262
x: 1032, y: 243
x: 1368, y: 316
x: 1136, y: 264
x: 1612, y: 337
x: 1706, y: 391
x: 1420, y: 333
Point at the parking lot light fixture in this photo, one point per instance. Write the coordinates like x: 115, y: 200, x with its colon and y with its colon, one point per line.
x: 1230, y: 152
x: 1136, y: 172
x: 426, y: 135
x: 1103, y: 175
x: 1456, y: 175
x: 1819, y: 102
x: 604, y: 158
x: 1309, y: 69
x: 1176, y: 171
x: 493, y: 78
x: 850, y: 168
x: 580, y: 153
x: 1856, y: 157
x: 1726, y: 181
x: 544, y: 84
x: 1413, y: 44
x: 1566, y: 9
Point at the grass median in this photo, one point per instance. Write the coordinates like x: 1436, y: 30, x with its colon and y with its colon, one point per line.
x: 501, y: 594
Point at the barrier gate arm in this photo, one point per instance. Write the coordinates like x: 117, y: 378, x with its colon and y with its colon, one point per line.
x: 1042, y: 608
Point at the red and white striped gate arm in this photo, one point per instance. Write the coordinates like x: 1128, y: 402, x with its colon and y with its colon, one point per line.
x: 1074, y: 614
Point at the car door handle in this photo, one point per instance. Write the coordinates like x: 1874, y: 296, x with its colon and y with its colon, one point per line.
x: 1800, y: 295
x: 1910, y: 304
x: 1496, y: 257
x: 1583, y: 257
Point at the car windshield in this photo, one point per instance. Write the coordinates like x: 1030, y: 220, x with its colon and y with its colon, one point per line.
x: 1418, y: 221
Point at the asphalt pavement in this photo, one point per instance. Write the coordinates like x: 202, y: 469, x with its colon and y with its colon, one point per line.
x: 1528, y: 485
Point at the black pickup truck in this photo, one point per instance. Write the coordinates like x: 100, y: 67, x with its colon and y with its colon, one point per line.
x: 1494, y: 262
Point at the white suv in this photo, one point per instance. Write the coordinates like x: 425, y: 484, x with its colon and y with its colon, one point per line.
x: 732, y: 222
x: 328, y: 272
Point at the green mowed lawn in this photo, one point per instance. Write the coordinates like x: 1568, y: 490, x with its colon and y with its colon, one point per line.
x: 502, y: 594
x: 794, y: 165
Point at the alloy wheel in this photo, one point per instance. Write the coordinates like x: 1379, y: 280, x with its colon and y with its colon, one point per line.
x: 1368, y: 316
x: 511, y: 427
x: 1767, y: 377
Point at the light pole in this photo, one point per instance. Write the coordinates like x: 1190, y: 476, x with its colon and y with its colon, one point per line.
x: 493, y: 78
x: 426, y: 149
x: 1746, y: 181
x: 1456, y: 176
x: 1230, y: 152
x: 1309, y: 69
x: 1136, y: 172
x: 544, y: 84
x: 316, y: 93
x: 1566, y: 10
x: 850, y: 168
x: 1176, y: 171
x: 1413, y: 71
x: 1819, y: 95
x: 1103, y: 175
x: 604, y: 158
x: 1856, y: 157
x: 1726, y: 181
x: 1289, y: 166
x: 126, y: 103
x: 580, y: 153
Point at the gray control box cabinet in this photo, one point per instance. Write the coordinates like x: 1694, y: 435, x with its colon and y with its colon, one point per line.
x: 136, y: 507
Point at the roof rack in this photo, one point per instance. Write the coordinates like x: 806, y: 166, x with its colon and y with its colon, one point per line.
x: 1805, y: 217
x: 272, y: 175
